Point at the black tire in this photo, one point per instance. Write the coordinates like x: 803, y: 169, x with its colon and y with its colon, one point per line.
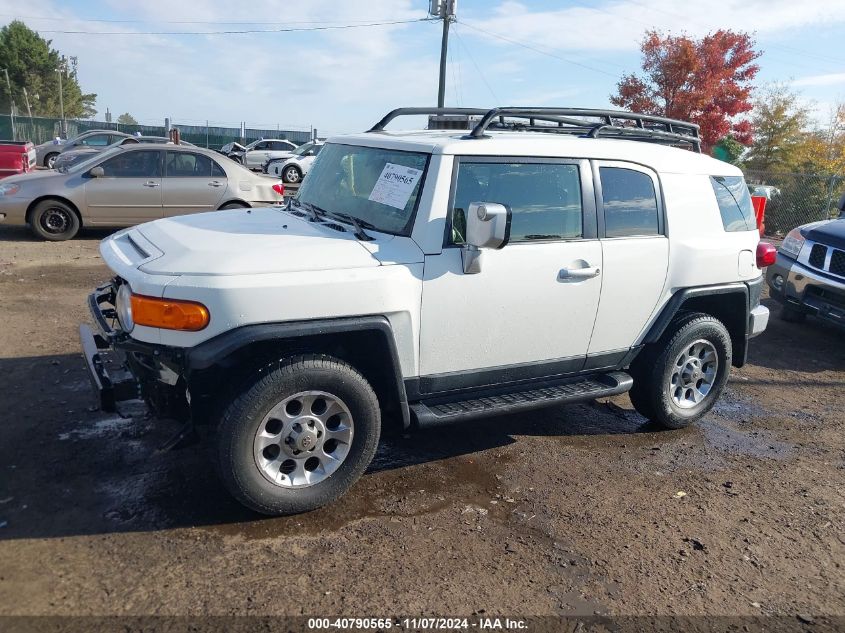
x: 240, y: 424
x: 792, y: 315
x: 49, y: 158
x: 234, y: 205
x: 54, y: 220
x: 291, y: 174
x: 653, y: 371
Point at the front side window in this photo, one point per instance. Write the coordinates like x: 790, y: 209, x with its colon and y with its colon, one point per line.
x: 544, y: 199
x: 97, y: 140
x: 378, y: 186
x: 630, y: 203
x: 186, y: 165
x: 734, y: 202
x: 142, y: 164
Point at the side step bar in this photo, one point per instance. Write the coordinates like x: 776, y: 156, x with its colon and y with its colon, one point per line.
x: 436, y: 412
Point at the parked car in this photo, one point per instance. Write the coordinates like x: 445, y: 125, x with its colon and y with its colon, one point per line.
x: 72, y: 157
x: 46, y: 153
x: 16, y: 157
x: 258, y: 152
x: 131, y: 184
x: 436, y: 276
x: 292, y: 170
x: 296, y: 162
x: 809, y: 274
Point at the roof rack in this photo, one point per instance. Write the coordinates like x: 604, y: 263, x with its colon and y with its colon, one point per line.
x: 606, y: 123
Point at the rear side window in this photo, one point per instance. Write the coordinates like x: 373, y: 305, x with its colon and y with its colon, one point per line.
x: 734, y: 202
x: 630, y: 202
x: 544, y: 199
x: 184, y: 165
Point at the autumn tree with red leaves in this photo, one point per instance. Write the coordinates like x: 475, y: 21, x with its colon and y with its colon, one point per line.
x: 706, y: 81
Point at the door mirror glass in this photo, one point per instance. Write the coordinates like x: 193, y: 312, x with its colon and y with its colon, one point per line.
x: 97, y: 172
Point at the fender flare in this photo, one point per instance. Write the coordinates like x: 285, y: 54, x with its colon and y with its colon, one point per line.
x: 207, y: 354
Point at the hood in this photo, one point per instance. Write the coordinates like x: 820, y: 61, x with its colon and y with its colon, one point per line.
x: 232, y: 147
x: 31, y: 176
x: 241, y: 242
x: 830, y: 233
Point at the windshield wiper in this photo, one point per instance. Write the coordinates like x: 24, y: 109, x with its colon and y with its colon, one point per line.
x: 315, y: 212
x: 356, y: 222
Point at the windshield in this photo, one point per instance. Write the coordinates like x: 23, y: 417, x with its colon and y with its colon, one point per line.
x: 303, y: 149
x: 378, y: 186
x: 92, y: 160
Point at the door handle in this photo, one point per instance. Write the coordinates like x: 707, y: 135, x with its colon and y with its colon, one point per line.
x: 215, y: 183
x: 151, y: 183
x: 579, y: 273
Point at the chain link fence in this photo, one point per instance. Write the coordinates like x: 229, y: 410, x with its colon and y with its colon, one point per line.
x: 40, y: 130
x: 796, y: 199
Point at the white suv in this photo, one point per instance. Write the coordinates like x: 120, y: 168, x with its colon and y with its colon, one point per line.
x: 422, y: 278
x: 292, y: 168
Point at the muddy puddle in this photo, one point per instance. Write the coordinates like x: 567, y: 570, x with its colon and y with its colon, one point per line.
x: 401, y: 483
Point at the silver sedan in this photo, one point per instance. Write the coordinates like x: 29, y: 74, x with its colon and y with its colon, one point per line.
x: 131, y: 184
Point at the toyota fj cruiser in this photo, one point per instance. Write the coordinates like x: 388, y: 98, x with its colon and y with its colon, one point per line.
x: 547, y: 256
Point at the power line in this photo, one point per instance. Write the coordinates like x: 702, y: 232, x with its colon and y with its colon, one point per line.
x: 239, y: 32
x: 536, y: 50
x: 472, y: 59
x: 204, y: 22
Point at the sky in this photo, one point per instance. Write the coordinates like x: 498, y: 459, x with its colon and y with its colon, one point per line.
x: 339, y: 80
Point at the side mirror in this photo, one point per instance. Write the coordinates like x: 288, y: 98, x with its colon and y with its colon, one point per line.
x: 310, y: 152
x: 488, y: 225
x: 96, y: 172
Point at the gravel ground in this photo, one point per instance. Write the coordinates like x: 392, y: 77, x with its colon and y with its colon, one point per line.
x: 580, y: 509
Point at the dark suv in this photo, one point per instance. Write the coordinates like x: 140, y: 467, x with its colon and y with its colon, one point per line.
x: 809, y: 274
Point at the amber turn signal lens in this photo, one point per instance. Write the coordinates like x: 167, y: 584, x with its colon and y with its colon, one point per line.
x: 169, y: 314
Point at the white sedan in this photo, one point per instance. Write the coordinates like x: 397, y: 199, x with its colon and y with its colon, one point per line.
x: 254, y: 155
x: 292, y: 169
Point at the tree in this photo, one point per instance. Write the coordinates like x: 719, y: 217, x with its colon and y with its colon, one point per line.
x: 126, y: 119
x: 706, y: 81
x: 729, y: 150
x: 779, y: 121
x: 33, y: 65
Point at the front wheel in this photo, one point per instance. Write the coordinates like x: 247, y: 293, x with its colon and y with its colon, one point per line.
x: 680, y: 379
x: 54, y: 220
x: 299, y: 436
x: 292, y: 175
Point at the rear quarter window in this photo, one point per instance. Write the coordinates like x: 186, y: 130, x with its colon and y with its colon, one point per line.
x: 734, y: 202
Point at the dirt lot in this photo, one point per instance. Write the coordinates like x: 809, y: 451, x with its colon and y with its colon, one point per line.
x: 578, y: 509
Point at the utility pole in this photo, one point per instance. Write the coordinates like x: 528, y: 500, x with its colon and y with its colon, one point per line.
x: 60, y: 70
x: 28, y: 108
x: 11, y: 102
x: 445, y: 10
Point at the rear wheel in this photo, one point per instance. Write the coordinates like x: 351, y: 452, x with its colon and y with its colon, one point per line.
x: 50, y: 159
x: 680, y: 379
x: 299, y: 436
x: 54, y: 220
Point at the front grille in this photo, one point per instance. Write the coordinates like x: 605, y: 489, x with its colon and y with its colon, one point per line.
x: 818, y: 255
x: 831, y: 297
x: 837, y: 263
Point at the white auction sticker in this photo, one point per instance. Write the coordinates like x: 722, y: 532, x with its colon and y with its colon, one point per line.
x: 395, y: 185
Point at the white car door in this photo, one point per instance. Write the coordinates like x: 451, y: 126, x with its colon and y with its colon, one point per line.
x: 530, y: 312
x: 257, y: 156
x: 636, y: 254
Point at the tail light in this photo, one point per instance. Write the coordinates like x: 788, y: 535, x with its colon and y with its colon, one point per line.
x: 279, y: 188
x: 766, y: 254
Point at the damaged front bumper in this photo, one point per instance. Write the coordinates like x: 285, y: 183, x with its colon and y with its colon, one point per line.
x: 151, y: 372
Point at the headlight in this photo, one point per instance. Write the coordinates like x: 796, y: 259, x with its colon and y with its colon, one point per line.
x: 9, y: 189
x: 793, y: 243
x: 123, y: 306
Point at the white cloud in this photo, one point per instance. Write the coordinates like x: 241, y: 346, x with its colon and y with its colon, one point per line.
x: 831, y: 79
x: 619, y: 25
